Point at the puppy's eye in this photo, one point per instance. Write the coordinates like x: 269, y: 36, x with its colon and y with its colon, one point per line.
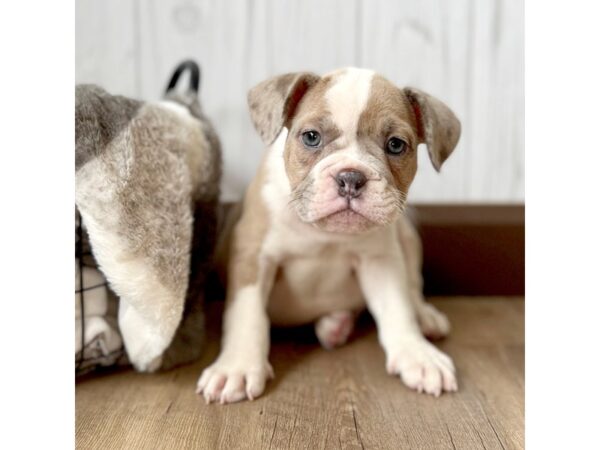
x: 395, y: 146
x: 311, y: 138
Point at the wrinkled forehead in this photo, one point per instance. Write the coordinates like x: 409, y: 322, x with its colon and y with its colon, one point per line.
x: 354, y: 100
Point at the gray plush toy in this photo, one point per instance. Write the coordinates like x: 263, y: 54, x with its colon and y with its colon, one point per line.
x: 147, y: 185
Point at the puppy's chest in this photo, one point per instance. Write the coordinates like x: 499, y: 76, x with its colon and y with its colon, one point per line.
x: 310, y: 276
x: 307, y: 287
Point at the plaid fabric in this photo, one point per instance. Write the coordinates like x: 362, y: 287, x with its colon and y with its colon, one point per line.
x: 98, y: 341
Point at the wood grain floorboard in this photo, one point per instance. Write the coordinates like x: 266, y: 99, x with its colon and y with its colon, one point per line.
x: 328, y: 399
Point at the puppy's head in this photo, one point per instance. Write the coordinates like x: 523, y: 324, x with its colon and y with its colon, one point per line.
x: 350, y: 153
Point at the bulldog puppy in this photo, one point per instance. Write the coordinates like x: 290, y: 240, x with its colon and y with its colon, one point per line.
x: 322, y: 233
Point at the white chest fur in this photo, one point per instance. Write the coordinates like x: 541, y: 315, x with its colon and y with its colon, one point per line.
x: 307, y: 287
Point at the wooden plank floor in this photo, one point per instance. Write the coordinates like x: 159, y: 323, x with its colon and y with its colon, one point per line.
x: 336, y: 399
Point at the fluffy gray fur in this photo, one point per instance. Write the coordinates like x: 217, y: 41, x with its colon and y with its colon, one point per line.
x: 147, y: 184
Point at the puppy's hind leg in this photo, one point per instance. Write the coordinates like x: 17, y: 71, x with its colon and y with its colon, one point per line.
x: 433, y: 323
x: 333, y: 329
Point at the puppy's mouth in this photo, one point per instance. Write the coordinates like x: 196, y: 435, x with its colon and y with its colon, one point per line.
x: 348, y: 212
x: 345, y: 220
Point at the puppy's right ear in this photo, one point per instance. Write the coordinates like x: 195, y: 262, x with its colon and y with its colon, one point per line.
x: 273, y: 102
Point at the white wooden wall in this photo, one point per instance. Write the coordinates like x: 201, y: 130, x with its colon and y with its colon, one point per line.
x: 469, y: 53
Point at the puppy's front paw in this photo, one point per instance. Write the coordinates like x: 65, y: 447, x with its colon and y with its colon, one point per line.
x: 423, y: 367
x: 433, y: 323
x: 230, y: 380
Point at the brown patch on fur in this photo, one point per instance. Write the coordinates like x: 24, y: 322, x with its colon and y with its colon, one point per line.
x: 311, y: 114
x: 389, y: 114
x: 228, y: 217
x: 247, y: 238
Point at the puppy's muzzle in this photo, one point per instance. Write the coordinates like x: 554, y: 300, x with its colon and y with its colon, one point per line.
x: 350, y: 183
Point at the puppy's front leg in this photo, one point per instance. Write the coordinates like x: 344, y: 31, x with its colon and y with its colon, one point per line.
x: 242, y: 368
x: 420, y: 365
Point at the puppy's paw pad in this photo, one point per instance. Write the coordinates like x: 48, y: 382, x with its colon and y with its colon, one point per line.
x: 229, y: 383
x: 334, y: 329
x: 424, y: 368
x: 433, y: 323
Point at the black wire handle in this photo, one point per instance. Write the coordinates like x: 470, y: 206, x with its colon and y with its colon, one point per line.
x: 190, y: 65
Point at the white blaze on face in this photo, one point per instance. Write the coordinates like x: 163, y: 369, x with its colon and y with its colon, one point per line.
x: 348, y: 97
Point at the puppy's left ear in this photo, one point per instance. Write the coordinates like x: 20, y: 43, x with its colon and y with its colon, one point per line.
x: 273, y: 102
x: 438, y: 127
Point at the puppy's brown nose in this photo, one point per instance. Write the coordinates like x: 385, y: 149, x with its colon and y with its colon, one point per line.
x: 350, y: 183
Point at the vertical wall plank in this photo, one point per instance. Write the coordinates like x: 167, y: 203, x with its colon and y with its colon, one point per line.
x: 312, y: 35
x: 496, y: 158
x: 495, y: 143
x: 469, y: 53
